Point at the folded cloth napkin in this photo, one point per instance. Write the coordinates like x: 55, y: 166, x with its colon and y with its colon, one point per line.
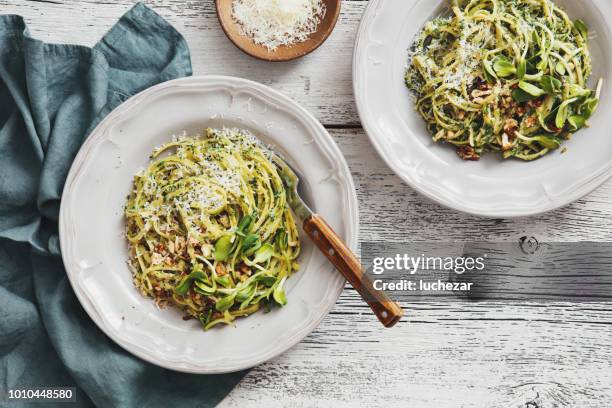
x: 51, y: 97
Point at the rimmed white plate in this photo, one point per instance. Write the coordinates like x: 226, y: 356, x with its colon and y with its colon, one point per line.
x: 92, y: 226
x: 490, y: 187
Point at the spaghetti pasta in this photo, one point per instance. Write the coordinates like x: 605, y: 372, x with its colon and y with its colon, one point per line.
x: 506, y: 76
x: 209, y: 228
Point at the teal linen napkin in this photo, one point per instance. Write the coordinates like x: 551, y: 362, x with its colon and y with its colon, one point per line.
x: 51, y: 97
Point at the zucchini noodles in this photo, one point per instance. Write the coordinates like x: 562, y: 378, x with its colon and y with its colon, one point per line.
x: 209, y: 228
x: 507, y: 76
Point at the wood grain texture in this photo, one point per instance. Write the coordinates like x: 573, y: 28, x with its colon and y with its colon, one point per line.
x: 443, y: 354
x: 320, y: 81
x: 447, y: 354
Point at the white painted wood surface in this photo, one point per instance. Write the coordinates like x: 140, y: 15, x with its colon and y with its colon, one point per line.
x: 444, y: 354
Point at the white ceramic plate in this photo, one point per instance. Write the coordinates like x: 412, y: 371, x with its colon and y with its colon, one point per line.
x: 490, y: 187
x: 92, y: 226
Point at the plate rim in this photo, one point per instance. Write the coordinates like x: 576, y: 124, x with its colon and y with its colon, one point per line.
x: 352, y: 223
x: 595, y: 181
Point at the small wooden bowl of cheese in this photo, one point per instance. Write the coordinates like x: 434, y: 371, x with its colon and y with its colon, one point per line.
x: 278, y: 30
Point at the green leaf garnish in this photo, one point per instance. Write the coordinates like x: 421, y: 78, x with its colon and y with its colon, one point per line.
x: 588, y: 107
x: 204, y: 289
x: 531, y: 89
x: 522, y: 69
x: 550, y: 84
x: 250, y: 244
x: 223, y: 248
x: 246, y: 293
x: 560, y: 68
x: 224, y: 281
x: 577, y: 90
x: 279, y: 293
x: 576, y: 122
x: 266, y: 280
x: 563, y: 112
x: 547, y: 141
x: 521, y: 96
x: 504, y: 67
x: 264, y: 253
x: 244, y: 226
x: 183, y: 287
x: 225, y: 303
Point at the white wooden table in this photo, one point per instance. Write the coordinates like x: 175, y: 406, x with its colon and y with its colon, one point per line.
x: 443, y: 354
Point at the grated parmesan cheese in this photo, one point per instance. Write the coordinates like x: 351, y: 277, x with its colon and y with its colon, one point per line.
x: 273, y: 23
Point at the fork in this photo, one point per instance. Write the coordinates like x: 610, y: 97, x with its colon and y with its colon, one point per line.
x: 332, y: 246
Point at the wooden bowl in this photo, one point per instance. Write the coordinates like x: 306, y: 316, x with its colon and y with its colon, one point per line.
x: 283, y: 52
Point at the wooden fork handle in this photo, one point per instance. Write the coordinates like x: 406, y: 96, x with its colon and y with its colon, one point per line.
x: 324, y: 237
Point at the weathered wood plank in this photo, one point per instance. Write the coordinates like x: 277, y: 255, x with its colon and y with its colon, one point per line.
x: 390, y: 211
x: 453, y: 355
x: 446, y: 354
x: 321, y: 81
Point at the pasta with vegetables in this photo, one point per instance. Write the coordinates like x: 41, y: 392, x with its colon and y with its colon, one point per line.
x: 506, y: 76
x: 209, y: 228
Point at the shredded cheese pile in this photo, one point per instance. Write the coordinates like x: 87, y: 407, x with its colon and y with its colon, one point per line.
x: 273, y: 23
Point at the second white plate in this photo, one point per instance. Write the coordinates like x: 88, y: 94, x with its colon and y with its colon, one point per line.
x: 490, y: 187
x: 94, y: 248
